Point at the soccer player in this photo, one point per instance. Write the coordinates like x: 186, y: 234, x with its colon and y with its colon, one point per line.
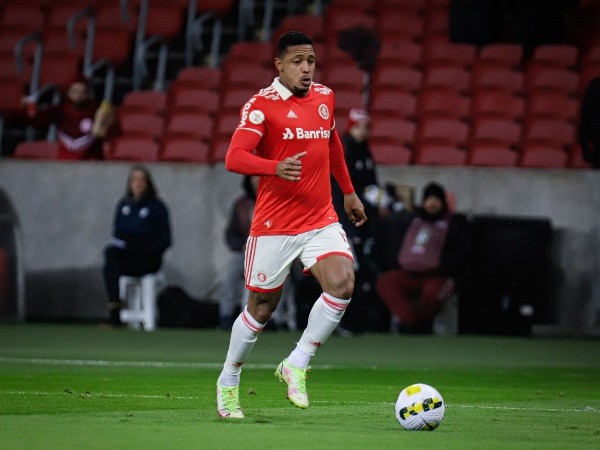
x: 287, y: 136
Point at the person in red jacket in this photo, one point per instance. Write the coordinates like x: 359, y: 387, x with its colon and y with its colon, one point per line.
x: 82, y: 124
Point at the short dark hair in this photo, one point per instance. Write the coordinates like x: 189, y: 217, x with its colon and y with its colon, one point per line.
x: 290, y: 39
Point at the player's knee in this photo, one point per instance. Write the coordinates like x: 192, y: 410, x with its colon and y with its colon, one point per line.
x: 341, y: 286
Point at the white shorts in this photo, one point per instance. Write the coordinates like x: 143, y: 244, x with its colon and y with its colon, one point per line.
x: 268, y: 258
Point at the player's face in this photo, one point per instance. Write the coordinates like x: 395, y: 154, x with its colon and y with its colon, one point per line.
x: 297, y: 68
x: 138, y: 184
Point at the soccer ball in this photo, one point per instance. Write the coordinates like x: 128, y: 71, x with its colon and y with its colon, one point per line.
x: 420, y: 407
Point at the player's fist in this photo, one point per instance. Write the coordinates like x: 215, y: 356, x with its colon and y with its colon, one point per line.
x: 290, y: 168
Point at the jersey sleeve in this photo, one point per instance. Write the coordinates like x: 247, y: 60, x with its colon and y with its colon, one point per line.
x: 240, y: 159
x: 338, y: 164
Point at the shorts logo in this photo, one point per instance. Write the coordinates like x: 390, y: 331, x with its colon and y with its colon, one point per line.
x: 256, y: 117
x: 323, y: 111
x: 261, y: 277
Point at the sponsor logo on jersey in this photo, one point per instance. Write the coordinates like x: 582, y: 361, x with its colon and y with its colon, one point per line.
x: 292, y: 115
x: 301, y: 133
x: 324, y: 111
x: 245, y: 109
x: 322, y: 89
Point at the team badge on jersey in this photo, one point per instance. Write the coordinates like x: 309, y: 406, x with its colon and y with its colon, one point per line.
x: 324, y: 111
x: 256, y: 117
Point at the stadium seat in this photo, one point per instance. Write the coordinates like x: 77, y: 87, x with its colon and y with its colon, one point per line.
x: 36, y: 150
x: 164, y: 19
x: 56, y: 41
x: 182, y: 98
x: 12, y: 94
x: 555, y: 55
x: 112, y: 44
x: 254, y: 51
x: 233, y: 77
x: 59, y: 69
x: 493, y: 130
x: 233, y: 98
x: 552, y: 105
x: 198, y: 77
x: 437, y: 21
x: 218, y: 149
x: 449, y: 133
x: 198, y: 126
x: 589, y: 71
x: 133, y: 148
x: 551, y: 79
x: 399, y: 52
x: 310, y: 24
x: 391, y: 154
x: 413, y: 6
x: 390, y: 130
x: 400, y: 24
x: 346, y: 77
x: 154, y: 102
x: 449, y: 53
x: 542, y: 155
x: 225, y: 125
x: 439, y: 154
x: 576, y: 160
x: 448, y: 77
x: 140, y: 295
x: 142, y: 124
x: 443, y: 103
x: 22, y: 15
x: 342, y: 18
x: 485, y: 76
x: 346, y: 99
x: 182, y: 149
x: 550, y: 131
x: 506, y: 55
x: 491, y: 154
x: 109, y: 16
x: 395, y: 103
x: 397, y: 77
x: 497, y: 103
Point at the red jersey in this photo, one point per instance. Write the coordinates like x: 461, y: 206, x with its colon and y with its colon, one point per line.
x: 284, y: 125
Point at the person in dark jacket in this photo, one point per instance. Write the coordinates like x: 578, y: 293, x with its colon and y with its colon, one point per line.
x: 589, y: 124
x: 141, y: 234
x: 424, y: 251
x: 231, y: 281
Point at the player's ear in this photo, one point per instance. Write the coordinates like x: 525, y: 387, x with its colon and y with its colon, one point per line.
x: 278, y: 64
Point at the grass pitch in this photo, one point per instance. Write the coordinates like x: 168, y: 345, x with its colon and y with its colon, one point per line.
x: 67, y: 386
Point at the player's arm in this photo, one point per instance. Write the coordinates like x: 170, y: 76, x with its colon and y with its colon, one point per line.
x: 240, y: 159
x: 337, y: 163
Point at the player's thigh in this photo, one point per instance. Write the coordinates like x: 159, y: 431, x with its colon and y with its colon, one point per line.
x: 268, y: 260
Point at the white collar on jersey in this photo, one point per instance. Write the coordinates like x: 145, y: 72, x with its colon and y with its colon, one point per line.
x: 283, y: 92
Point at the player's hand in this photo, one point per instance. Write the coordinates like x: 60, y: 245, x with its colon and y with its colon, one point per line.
x: 289, y: 169
x: 354, y: 209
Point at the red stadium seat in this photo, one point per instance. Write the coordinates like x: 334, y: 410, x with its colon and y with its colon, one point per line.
x: 198, y: 77
x: 338, y: 19
x: 492, y: 130
x: 542, y: 155
x: 412, y: 6
x: 400, y: 24
x: 400, y: 52
x: 551, y: 79
x: 23, y: 16
x: 391, y: 154
x: 59, y: 69
x: 555, y: 55
x: 36, y: 150
x: 109, y: 16
x: 439, y: 154
x: 233, y: 99
x: 233, y: 77
x: 225, y: 125
x: 347, y: 77
x: 395, y: 103
x: 491, y: 154
x: 254, y: 51
x: 443, y: 102
x: 449, y: 53
x: 12, y: 94
x: 154, y: 102
x: 56, y: 40
x: 218, y: 148
x: 448, y: 77
x: 182, y: 149
x: 552, y: 105
x: 589, y: 71
x: 390, y: 130
x: 165, y: 19
x: 485, y: 76
x: 307, y: 23
x: 576, y: 160
x: 506, y: 55
x: 182, y: 98
x: 345, y: 100
x: 497, y: 103
x: 397, y: 77
x: 112, y: 44
x: 142, y: 124
x: 550, y: 131
x: 134, y: 148
x: 447, y: 132
x: 193, y: 125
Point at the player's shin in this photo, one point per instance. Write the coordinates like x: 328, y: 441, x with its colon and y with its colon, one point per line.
x: 324, y: 317
x: 243, y: 336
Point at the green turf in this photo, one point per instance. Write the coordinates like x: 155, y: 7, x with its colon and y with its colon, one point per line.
x: 86, y: 387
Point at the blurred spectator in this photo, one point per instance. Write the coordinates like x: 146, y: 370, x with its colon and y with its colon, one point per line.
x: 232, y: 288
x: 82, y: 124
x: 423, y: 252
x: 231, y: 283
x: 589, y: 123
x: 141, y: 234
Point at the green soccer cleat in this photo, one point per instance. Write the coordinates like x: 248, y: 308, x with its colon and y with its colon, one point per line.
x: 228, y: 402
x: 296, y: 381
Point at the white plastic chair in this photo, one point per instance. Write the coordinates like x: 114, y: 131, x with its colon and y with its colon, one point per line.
x: 140, y: 294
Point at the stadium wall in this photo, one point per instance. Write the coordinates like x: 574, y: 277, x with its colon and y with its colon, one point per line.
x: 65, y: 212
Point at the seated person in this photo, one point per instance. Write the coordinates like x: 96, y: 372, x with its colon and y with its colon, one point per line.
x: 424, y: 250
x: 141, y: 235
